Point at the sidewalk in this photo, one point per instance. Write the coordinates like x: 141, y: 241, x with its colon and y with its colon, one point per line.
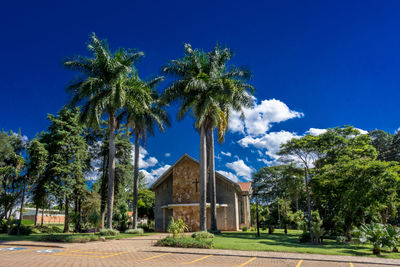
x: 279, y: 255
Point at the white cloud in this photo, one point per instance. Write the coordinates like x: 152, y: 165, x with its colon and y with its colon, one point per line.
x: 152, y: 176
x: 144, y: 161
x: 228, y: 154
x: 229, y: 175
x: 316, y: 131
x: 167, y: 155
x: 362, y: 131
x: 259, y: 118
x: 241, y: 169
x: 271, y: 142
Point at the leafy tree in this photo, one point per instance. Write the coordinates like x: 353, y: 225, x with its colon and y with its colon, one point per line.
x: 11, y: 165
x: 387, y: 145
x: 207, y: 87
x: 67, y: 153
x: 306, y: 151
x: 102, y: 89
x: 36, y: 166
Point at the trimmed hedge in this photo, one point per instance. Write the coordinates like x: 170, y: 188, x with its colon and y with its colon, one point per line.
x: 138, y: 231
x: 202, y: 235
x: 70, y: 238
x: 109, y: 232
x: 184, y: 242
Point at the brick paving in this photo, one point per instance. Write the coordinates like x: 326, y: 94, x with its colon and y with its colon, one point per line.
x: 139, y: 251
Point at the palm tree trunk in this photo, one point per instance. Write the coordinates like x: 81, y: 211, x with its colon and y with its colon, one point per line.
x: 41, y: 223
x: 135, y: 181
x: 103, y: 192
x: 111, y: 168
x: 22, y: 206
x: 203, y: 182
x: 308, y: 206
x: 36, y: 213
x: 213, y: 193
x: 66, y: 222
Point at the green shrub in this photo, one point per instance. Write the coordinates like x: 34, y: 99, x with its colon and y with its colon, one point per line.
x: 56, y: 229
x: 3, y: 226
x: 23, y: 230
x: 244, y: 228
x: 341, y: 239
x: 177, y: 228
x: 137, y: 231
x: 252, y: 229
x: 185, y: 242
x: 376, y: 234
x: 109, y: 232
x: 149, y: 227
x: 305, y: 237
x: 7, y: 224
x: 202, y: 235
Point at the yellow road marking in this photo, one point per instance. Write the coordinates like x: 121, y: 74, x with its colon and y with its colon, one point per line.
x: 202, y: 258
x: 299, y: 263
x: 115, y: 254
x: 351, y: 264
x: 157, y: 256
x: 82, y: 253
x: 247, y: 262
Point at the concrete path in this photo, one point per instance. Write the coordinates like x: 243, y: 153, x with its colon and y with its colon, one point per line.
x: 139, y: 251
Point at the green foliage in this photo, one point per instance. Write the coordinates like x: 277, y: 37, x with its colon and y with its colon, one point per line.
x: 23, y: 230
x: 376, y: 234
x: 244, y: 228
x: 208, y: 87
x: 12, y: 164
x: 185, y: 242
x: 137, y: 231
x: 341, y: 239
x: 46, y: 229
x: 202, y: 235
x: 121, y: 217
x: 177, y: 228
x: 316, y: 225
x: 109, y: 232
x: 301, y: 221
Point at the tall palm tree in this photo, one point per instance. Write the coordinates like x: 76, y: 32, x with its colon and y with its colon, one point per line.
x: 102, y: 90
x: 144, y: 111
x: 207, y: 87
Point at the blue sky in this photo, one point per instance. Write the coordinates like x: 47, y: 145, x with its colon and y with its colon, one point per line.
x: 316, y: 64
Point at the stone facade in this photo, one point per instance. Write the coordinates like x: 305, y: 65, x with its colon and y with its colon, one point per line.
x: 177, y: 195
x: 186, y: 182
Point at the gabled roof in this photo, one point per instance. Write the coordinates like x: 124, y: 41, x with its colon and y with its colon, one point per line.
x: 245, y: 186
x: 186, y: 156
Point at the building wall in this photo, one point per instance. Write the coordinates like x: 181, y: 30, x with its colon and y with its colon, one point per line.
x: 46, y: 218
x: 190, y: 215
x: 226, y: 194
x: 185, y: 189
x: 180, y: 188
x: 163, y: 196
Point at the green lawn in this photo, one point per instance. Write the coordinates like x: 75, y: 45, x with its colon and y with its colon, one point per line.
x: 280, y: 242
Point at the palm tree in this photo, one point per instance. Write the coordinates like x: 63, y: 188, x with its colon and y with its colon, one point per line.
x: 206, y: 86
x: 144, y: 111
x: 102, y: 91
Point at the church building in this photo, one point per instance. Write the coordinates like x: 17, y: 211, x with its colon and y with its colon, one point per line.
x: 177, y: 195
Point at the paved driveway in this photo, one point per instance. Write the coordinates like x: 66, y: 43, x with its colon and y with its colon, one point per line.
x: 140, y: 252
